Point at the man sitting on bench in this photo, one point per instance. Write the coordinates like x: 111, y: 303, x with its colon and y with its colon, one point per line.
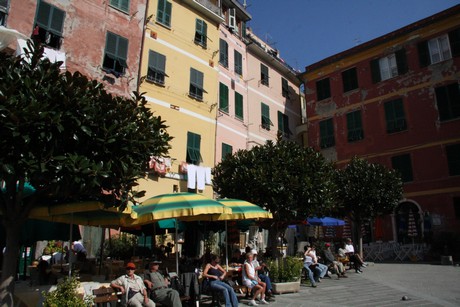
x: 158, y: 286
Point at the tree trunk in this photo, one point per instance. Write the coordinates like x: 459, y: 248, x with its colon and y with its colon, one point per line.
x: 10, y: 262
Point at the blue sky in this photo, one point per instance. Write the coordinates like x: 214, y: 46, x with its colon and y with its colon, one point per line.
x: 307, y: 31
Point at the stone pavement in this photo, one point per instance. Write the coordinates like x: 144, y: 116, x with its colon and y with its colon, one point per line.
x: 382, y: 284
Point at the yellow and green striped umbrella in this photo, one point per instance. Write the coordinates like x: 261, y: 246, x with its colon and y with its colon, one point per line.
x: 89, y: 213
x: 182, y: 206
x: 242, y: 210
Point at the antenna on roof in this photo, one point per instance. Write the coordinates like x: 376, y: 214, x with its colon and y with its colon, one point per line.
x: 244, y: 4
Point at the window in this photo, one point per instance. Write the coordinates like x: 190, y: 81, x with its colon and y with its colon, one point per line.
x: 164, y: 13
x: 223, y: 97
x: 265, y: 119
x: 116, y: 53
x: 389, y: 67
x: 439, y: 49
x: 394, y: 115
x: 453, y: 159
x: 223, y: 53
x: 403, y: 164
x: 238, y: 63
x: 122, y: 5
x: 156, y: 71
x: 201, y: 30
x: 264, y: 75
x: 283, y: 124
x: 239, y: 106
x: 448, y: 101
x: 49, y: 23
x: 326, y: 132
x: 3, y: 12
x: 196, y: 84
x: 285, y: 88
x: 456, y: 201
x: 193, y: 148
x: 349, y: 80
x: 323, y: 89
x: 232, y: 23
x: 354, y: 126
x: 226, y: 150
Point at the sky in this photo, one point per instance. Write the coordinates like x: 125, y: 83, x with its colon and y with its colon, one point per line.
x: 307, y: 31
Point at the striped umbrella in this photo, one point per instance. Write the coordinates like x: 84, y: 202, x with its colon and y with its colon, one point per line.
x: 346, y: 233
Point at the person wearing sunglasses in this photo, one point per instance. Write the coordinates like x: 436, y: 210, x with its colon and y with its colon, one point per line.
x: 132, y: 288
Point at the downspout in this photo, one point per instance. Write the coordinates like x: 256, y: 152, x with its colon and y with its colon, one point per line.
x: 144, y: 27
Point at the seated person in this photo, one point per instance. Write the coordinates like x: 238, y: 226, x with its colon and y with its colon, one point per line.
x: 158, y: 287
x: 79, y: 251
x: 329, y: 259
x: 253, y: 282
x: 237, y: 258
x: 309, y: 266
x: 132, y: 288
x: 260, y: 270
x: 216, y: 275
x: 319, y: 266
x: 355, y: 258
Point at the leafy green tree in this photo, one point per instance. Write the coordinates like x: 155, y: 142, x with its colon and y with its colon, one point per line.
x: 367, y: 190
x: 289, y: 180
x: 70, y: 140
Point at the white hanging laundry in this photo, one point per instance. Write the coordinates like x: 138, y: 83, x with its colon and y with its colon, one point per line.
x: 191, y: 176
x: 200, y: 177
x: 208, y: 175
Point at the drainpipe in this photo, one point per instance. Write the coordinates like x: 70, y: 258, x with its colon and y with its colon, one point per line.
x: 142, y: 44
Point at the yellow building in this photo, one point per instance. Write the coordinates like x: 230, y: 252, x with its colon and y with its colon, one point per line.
x: 178, y: 73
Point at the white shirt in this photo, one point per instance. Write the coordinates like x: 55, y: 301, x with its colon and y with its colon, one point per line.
x: 349, y: 248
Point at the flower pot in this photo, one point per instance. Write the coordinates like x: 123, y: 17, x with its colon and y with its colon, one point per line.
x: 286, y: 287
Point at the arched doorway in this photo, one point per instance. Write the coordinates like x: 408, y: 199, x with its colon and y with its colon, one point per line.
x: 408, y: 222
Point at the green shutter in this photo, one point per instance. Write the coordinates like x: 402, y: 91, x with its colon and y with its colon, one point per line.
x: 223, y: 54
x: 201, y: 29
x: 238, y: 105
x: 226, y: 149
x: 375, y: 71
x: 122, y: 52
x: 193, y: 148
x: 453, y: 159
x: 238, y: 62
x: 454, y: 39
x: 57, y: 20
x: 111, y: 44
x: 401, y: 61
x: 223, y: 97
x: 280, y: 122
x: 43, y: 14
x: 265, y: 120
x: 423, y: 54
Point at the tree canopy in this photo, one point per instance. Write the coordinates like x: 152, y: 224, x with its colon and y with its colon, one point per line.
x: 69, y: 138
x: 289, y: 180
x: 367, y: 190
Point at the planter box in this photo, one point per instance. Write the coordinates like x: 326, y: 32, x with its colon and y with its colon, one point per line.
x: 286, y: 287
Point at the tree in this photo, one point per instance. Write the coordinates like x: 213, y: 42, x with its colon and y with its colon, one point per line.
x: 367, y: 190
x: 290, y: 181
x: 70, y: 140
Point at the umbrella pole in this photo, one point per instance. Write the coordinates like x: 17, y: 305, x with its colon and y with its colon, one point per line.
x: 70, y: 245
x: 102, y: 250
x: 226, y: 246
x: 176, y: 247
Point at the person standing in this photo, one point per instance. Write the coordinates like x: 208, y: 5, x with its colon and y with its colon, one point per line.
x: 132, y: 288
x: 158, y: 286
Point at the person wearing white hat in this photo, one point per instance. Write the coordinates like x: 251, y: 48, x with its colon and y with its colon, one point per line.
x: 260, y: 270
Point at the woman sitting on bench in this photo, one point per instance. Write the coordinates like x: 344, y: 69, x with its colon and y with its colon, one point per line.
x: 216, y: 275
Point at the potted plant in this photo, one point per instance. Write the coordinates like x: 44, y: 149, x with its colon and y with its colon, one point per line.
x: 66, y: 294
x: 285, y: 274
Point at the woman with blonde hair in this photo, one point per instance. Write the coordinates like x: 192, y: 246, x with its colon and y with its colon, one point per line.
x: 253, y: 282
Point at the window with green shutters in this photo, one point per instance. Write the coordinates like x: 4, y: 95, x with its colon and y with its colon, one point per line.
x: 283, y: 124
x: 326, y: 133
x: 448, y: 101
x: 238, y: 63
x: 403, y: 165
x: 350, y: 79
x: 201, y: 31
x: 390, y: 66
x: 265, y: 118
x: 285, y: 88
x: 453, y: 159
x: 264, y: 77
x: 226, y: 150
x: 239, y: 106
x: 116, y: 53
x: 164, y: 12
x: 156, y: 71
x: 193, y: 148
x: 323, y: 89
x: 122, y: 5
x: 354, y: 126
x: 223, y: 97
x: 394, y: 115
x: 49, y: 23
x: 223, y: 53
x: 196, y: 84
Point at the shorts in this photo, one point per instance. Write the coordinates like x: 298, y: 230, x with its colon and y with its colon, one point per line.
x: 250, y: 283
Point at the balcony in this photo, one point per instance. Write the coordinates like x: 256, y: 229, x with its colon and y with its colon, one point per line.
x: 210, y: 8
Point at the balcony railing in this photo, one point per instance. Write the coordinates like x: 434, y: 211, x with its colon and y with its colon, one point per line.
x: 213, y: 6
